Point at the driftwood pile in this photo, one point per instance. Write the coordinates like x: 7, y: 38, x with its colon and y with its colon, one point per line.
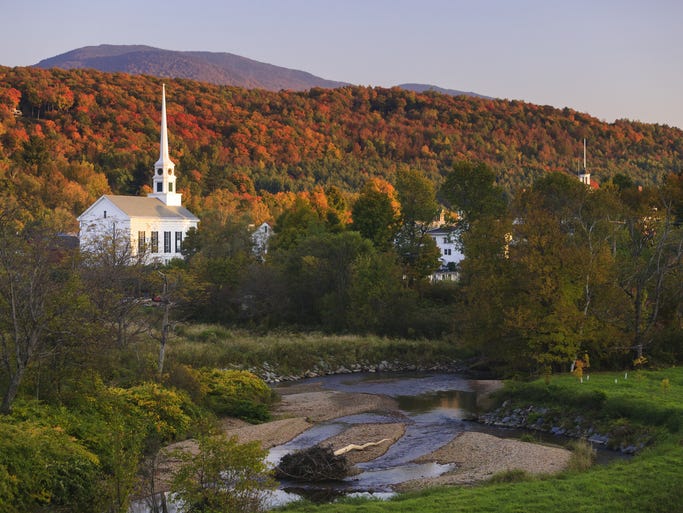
x: 313, y: 464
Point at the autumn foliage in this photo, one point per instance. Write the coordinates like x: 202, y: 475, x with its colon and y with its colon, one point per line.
x: 68, y: 136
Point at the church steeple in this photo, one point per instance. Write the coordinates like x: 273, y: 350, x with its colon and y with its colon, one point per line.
x: 163, y: 183
x: 584, y: 175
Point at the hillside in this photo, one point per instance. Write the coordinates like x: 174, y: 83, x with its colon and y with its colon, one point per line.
x: 67, y: 136
x: 215, y: 68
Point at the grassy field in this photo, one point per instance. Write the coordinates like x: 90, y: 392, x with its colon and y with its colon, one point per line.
x: 652, y: 481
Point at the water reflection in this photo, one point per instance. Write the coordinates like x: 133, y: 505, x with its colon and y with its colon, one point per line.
x: 432, y: 406
x: 459, y: 400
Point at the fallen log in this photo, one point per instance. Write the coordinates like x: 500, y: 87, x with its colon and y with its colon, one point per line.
x: 356, y: 447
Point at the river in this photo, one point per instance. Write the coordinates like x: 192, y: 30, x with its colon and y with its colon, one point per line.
x: 434, y: 407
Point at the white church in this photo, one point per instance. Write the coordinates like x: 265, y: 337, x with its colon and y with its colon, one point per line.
x: 155, y: 225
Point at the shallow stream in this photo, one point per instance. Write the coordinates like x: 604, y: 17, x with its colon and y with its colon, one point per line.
x: 433, y: 406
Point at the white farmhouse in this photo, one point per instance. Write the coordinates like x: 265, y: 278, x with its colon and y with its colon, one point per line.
x: 156, y: 224
x: 446, y: 241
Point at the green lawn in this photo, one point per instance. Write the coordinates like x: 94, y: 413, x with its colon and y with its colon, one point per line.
x: 650, y: 482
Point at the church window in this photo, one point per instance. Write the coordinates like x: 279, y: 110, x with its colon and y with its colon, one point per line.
x: 170, y: 171
x: 170, y: 186
x: 141, y: 242
x: 447, y: 251
x: 178, y: 241
x: 160, y: 187
x: 160, y: 171
x: 105, y: 214
x: 154, y: 242
x: 167, y: 242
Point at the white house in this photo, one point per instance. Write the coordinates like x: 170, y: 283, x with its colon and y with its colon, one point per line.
x: 156, y: 224
x: 259, y: 239
x: 446, y: 241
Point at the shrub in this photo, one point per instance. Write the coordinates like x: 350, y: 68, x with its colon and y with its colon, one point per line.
x: 236, y: 393
x: 169, y: 412
x: 184, y: 377
x: 224, y: 476
x: 44, y: 468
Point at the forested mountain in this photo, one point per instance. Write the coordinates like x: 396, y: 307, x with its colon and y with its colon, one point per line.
x: 212, y: 67
x: 67, y: 136
x: 423, y: 88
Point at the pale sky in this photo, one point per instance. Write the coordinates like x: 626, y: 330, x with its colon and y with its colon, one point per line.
x: 610, y: 58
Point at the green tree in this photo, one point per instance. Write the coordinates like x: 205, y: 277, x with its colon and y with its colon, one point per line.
x: 377, y: 298
x: 486, y: 287
x: 39, y: 298
x: 419, y: 209
x: 318, y: 274
x: 223, y: 476
x: 215, y: 272
x: 471, y: 190
x: 649, y: 256
x: 294, y: 224
x: 374, y: 217
x: 115, y: 274
x: 546, y: 311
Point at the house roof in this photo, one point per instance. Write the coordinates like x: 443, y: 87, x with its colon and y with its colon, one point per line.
x: 141, y: 206
x: 442, y: 230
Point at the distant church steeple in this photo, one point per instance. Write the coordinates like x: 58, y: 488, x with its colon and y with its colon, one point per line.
x: 163, y: 183
x: 584, y: 175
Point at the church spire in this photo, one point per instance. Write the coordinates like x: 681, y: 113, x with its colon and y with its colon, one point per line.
x: 584, y: 175
x: 164, y: 159
x: 164, y: 168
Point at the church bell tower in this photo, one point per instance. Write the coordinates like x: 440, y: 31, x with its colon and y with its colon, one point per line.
x: 163, y: 183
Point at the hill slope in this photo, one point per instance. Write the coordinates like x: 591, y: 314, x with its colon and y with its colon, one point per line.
x: 215, y: 68
x: 68, y: 136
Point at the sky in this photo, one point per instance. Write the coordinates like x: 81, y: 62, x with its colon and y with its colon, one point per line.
x: 612, y: 59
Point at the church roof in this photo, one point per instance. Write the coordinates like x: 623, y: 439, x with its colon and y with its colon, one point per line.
x: 141, y: 206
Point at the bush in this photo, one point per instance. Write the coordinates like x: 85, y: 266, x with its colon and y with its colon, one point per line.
x: 169, y: 412
x: 44, y: 468
x: 224, y: 476
x: 235, y: 393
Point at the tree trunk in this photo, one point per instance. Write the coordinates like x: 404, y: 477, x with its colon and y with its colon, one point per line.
x: 11, y: 392
x: 164, y: 327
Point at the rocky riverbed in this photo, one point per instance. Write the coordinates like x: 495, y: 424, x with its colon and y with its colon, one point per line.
x: 468, y: 456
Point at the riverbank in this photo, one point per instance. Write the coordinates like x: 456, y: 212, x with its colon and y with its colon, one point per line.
x: 474, y: 456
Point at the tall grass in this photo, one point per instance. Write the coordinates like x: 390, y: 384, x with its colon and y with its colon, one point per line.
x: 294, y: 353
x: 583, y: 456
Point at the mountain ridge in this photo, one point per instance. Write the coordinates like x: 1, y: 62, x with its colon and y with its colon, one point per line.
x: 221, y: 68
